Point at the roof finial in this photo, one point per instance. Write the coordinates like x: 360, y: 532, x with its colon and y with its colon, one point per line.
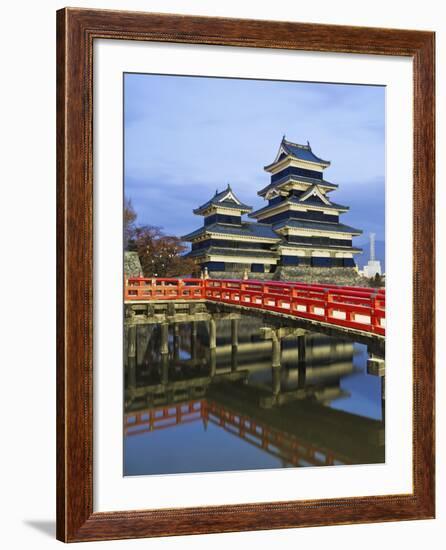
x: 216, y: 191
x: 283, y: 138
x: 308, y: 144
x: 229, y: 185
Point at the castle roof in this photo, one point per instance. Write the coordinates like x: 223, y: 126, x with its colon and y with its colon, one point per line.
x: 226, y: 199
x: 323, y: 226
x: 307, y: 246
x: 299, y: 152
x: 298, y: 200
x: 303, y: 179
x: 220, y: 251
x: 246, y: 229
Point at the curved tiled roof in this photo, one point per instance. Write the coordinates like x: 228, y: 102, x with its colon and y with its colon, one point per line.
x: 303, y: 179
x: 319, y: 246
x: 296, y: 200
x: 247, y: 229
x: 303, y: 224
x: 219, y: 200
x: 226, y: 251
x: 299, y: 152
x: 332, y: 205
x: 302, y: 152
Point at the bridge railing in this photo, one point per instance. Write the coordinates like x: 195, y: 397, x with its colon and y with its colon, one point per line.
x: 351, y: 307
x: 142, y: 288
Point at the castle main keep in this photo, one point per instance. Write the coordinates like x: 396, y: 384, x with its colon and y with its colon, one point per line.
x: 299, y: 227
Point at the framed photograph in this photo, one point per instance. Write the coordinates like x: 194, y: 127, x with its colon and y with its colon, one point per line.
x: 245, y: 275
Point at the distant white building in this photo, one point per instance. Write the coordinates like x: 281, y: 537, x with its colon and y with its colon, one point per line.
x: 373, y: 266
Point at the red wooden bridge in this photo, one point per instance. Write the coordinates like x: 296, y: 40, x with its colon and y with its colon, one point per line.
x: 355, y: 308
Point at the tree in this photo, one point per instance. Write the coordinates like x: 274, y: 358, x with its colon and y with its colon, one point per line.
x: 129, y: 222
x: 160, y: 255
x: 376, y: 281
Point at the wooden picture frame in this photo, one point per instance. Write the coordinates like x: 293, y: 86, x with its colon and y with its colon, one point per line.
x: 76, y: 31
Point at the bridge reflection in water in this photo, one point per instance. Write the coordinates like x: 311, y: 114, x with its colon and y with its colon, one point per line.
x: 219, y: 391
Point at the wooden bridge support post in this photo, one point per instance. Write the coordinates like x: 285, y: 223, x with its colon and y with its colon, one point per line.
x: 164, y: 353
x: 164, y: 368
x: 164, y: 338
x: 275, y: 335
x: 131, y: 353
x: 301, y: 364
x: 176, y: 341
x: 234, y: 358
x: 301, y: 349
x: 143, y: 337
x: 193, y: 340
x: 234, y: 342
x: 234, y: 332
x: 212, y: 334
x: 213, y: 361
x: 276, y: 383
x: 204, y: 415
x: 276, y: 351
x: 376, y: 366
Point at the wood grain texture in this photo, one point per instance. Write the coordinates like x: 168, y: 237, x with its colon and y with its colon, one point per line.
x: 76, y: 31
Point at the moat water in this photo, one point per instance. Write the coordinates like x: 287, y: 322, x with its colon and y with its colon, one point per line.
x: 195, y: 408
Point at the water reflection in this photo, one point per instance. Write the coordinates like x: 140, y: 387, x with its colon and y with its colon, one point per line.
x: 229, y: 392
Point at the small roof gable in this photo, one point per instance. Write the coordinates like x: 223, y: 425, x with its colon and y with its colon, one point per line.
x: 314, y: 191
x: 226, y: 199
x: 299, y: 152
x: 303, y: 179
x: 297, y: 200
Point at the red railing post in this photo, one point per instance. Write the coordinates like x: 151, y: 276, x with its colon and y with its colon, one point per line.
x: 180, y: 288
x: 375, y: 318
x: 329, y: 299
x: 202, y: 284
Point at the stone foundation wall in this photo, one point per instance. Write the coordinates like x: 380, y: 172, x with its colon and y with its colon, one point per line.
x: 132, y: 265
x: 345, y: 276
x: 239, y: 275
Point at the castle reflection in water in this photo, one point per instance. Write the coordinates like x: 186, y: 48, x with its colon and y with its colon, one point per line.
x: 228, y: 393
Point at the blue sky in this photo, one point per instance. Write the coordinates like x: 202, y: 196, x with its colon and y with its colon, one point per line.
x: 185, y: 137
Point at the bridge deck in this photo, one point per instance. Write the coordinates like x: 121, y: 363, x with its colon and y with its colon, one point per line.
x: 361, y: 310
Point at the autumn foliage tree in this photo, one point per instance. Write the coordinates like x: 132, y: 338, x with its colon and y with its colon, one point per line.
x: 160, y: 255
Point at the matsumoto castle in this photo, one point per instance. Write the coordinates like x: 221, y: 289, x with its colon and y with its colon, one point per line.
x: 298, y: 227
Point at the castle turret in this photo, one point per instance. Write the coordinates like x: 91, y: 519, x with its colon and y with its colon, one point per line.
x: 227, y: 243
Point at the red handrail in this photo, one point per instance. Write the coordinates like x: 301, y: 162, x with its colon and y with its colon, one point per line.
x: 352, y: 307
